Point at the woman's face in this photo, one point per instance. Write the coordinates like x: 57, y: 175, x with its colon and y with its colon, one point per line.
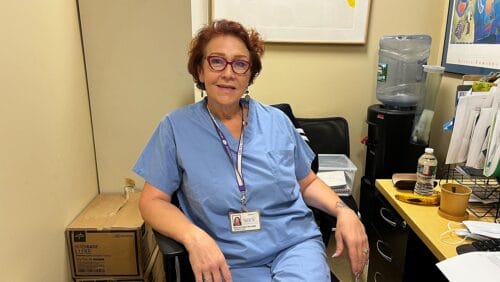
x: 225, y: 87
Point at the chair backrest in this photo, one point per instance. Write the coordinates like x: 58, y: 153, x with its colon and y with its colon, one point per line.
x: 329, y: 135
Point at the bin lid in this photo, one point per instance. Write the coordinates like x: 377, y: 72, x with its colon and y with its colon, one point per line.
x: 335, y: 162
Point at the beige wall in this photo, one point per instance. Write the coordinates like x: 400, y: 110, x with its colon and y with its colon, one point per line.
x: 47, y: 166
x: 136, y: 53
x: 340, y: 80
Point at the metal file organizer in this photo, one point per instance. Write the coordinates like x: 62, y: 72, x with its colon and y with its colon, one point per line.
x: 485, y: 190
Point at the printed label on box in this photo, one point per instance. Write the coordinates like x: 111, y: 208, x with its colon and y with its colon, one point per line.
x: 105, y: 253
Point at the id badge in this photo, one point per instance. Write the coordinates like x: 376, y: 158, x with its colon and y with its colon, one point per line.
x: 244, y: 221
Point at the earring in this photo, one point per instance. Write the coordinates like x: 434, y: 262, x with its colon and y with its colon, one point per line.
x: 247, y: 96
x: 202, y: 93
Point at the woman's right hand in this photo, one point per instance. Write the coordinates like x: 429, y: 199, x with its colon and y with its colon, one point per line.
x: 207, y: 260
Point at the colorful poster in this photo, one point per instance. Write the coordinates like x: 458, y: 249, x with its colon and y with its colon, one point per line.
x: 473, y: 34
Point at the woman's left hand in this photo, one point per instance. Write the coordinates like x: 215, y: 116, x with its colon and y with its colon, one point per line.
x: 350, y: 232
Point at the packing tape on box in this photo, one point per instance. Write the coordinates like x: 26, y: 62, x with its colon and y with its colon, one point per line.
x: 105, y: 217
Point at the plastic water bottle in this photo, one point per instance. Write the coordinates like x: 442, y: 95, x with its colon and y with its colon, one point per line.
x: 129, y: 188
x: 426, y: 173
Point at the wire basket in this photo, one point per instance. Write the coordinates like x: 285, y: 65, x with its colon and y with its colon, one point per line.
x: 485, y: 197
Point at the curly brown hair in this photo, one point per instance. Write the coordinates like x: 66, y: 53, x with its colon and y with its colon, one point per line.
x: 250, y: 38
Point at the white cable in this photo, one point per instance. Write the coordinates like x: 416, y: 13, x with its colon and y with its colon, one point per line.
x: 452, y: 230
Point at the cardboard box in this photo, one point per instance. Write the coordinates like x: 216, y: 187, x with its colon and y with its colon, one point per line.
x: 109, y: 238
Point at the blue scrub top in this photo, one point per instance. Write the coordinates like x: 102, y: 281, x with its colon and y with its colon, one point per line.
x: 186, y: 153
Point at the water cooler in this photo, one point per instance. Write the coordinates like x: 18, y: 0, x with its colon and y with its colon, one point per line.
x: 400, y: 88
x: 399, y: 127
x: 389, y: 149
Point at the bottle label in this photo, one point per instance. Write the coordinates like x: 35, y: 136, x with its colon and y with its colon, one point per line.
x: 427, y: 170
x: 382, y: 72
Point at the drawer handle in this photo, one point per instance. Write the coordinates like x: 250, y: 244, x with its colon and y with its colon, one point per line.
x: 386, y: 257
x: 392, y: 223
x: 377, y: 275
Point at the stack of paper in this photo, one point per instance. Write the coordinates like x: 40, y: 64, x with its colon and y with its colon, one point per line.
x: 473, y: 266
x: 476, y: 133
x: 468, y: 110
x: 336, y: 180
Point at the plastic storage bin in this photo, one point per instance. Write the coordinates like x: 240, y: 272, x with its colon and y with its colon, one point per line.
x: 338, y: 172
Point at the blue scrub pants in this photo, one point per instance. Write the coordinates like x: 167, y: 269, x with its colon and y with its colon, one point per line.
x: 303, y: 262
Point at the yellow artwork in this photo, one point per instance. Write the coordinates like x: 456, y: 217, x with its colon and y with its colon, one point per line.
x: 351, y: 3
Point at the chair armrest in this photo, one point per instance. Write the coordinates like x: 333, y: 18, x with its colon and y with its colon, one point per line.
x: 174, y: 252
x: 169, y: 246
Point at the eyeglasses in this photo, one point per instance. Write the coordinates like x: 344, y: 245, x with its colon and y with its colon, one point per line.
x: 217, y: 63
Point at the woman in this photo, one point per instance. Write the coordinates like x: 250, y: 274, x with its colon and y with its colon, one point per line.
x: 230, y: 157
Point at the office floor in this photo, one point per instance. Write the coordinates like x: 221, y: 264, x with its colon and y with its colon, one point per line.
x: 340, y: 265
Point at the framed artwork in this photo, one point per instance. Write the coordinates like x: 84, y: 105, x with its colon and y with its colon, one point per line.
x: 472, y: 39
x: 299, y: 21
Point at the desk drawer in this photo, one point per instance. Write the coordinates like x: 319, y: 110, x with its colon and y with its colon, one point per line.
x: 386, y: 217
x: 389, y: 224
x: 382, y: 266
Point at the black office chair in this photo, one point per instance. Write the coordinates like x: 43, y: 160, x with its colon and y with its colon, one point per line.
x: 328, y: 135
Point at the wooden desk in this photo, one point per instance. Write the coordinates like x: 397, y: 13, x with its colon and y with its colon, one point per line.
x: 423, y: 220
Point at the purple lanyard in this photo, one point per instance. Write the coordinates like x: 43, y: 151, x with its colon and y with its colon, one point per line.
x: 238, y: 167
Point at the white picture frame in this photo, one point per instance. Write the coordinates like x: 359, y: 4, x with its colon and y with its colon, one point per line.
x: 299, y: 21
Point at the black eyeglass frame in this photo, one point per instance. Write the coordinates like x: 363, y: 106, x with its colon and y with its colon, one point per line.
x: 228, y: 63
